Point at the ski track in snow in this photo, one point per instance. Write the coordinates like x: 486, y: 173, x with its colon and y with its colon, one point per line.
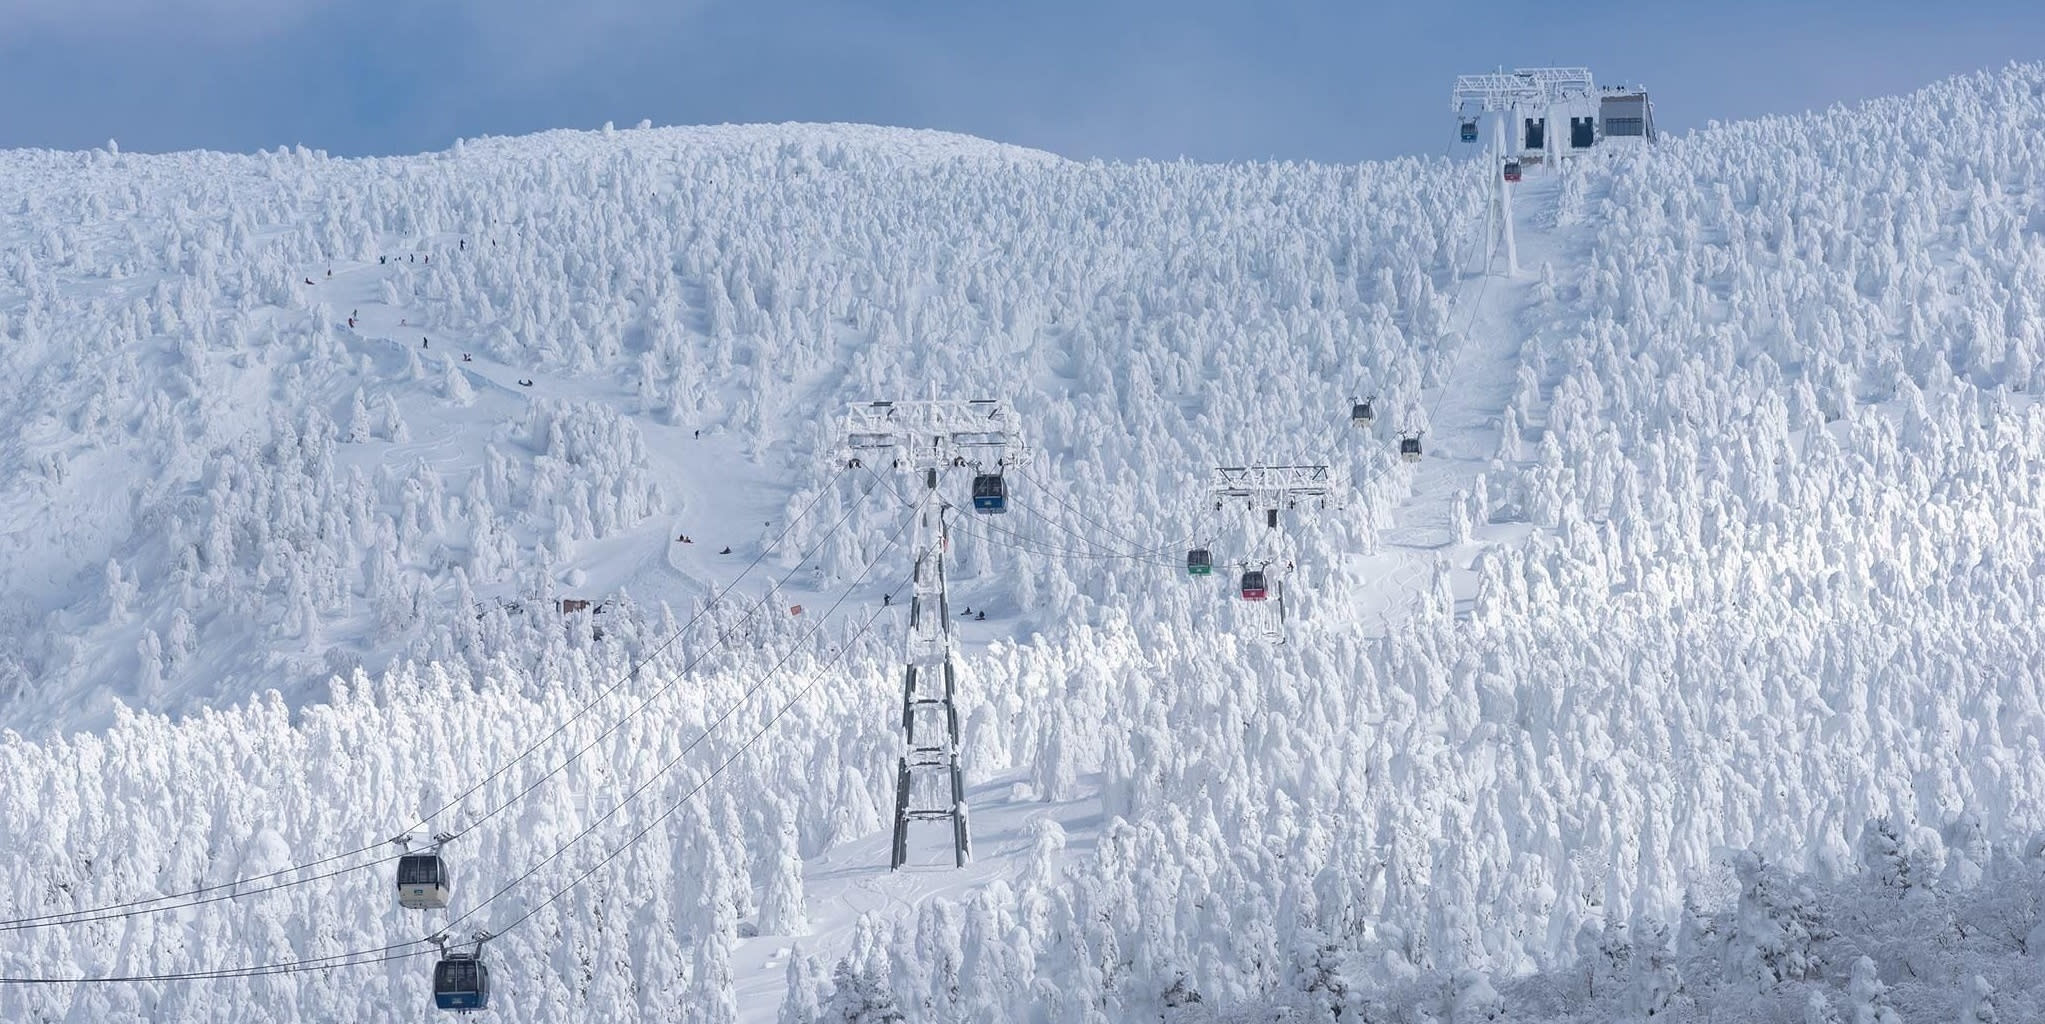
x: 853, y: 880
x: 1461, y: 421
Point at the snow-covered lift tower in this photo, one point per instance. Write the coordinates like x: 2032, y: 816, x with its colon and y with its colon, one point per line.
x: 1268, y: 489
x: 931, y: 438
x: 1272, y: 486
x: 1522, y: 105
x: 1567, y: 91
x: 1497, y: 96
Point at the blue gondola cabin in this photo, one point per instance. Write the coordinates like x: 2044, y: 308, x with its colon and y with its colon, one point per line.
x: 461, y: 982
x: 990, y: 494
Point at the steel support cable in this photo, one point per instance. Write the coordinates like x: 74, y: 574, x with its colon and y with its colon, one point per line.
x: 423, y: 946
x: 88, y: 917
x: 1030, y: 545
x: 93, y: 917
x: 355, y: 958
x: 1041, y: 546
x: 218, y: 892
x: 1075, y: 510
x: 664, y: 769
x: 883, y: 481
x: 1483, y: 284
x: 1475, y: 305
x: 1027, y: 549
x: 1154, y: 552
x: 815, y: 678
x: 1136, y: 550
x: 1046, y: 544
x: 1093, y: 548
x: 228, y: 973
x: 1157, y: 553
x: 756, y: 607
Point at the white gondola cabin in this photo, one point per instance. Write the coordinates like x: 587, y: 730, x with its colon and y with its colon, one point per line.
x: 423, y: 882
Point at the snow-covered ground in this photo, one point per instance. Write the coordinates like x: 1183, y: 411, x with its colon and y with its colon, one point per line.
x: 1697, y: 661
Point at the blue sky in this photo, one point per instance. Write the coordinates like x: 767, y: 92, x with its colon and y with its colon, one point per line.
x: 1117, y: 79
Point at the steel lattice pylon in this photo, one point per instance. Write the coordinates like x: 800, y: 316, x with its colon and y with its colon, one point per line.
x: 1498, y: 95
x: 1268, y: 489
x: 1519, y: 89
x: 1277, y: 481
x: 931, y: 438
x: 929, y: 784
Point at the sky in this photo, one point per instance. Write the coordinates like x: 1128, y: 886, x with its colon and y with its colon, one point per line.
x: 1113, y: 79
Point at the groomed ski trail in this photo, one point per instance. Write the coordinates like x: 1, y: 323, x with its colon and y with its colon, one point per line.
x: 1462, y: 417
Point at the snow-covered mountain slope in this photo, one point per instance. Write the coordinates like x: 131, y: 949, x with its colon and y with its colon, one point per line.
x: 1727, y: 540
x: 719, y: 280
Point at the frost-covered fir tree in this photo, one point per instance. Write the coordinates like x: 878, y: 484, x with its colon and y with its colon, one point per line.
x: 859, y: 997
x: 1882, y: 850
x: 808, y: 990
x: 781, y: 901
x: 1869, y: 996
x: 1977, y: 1006
x: 1775, y: 928
x: 358, y: 419
x: 1655, y: 979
